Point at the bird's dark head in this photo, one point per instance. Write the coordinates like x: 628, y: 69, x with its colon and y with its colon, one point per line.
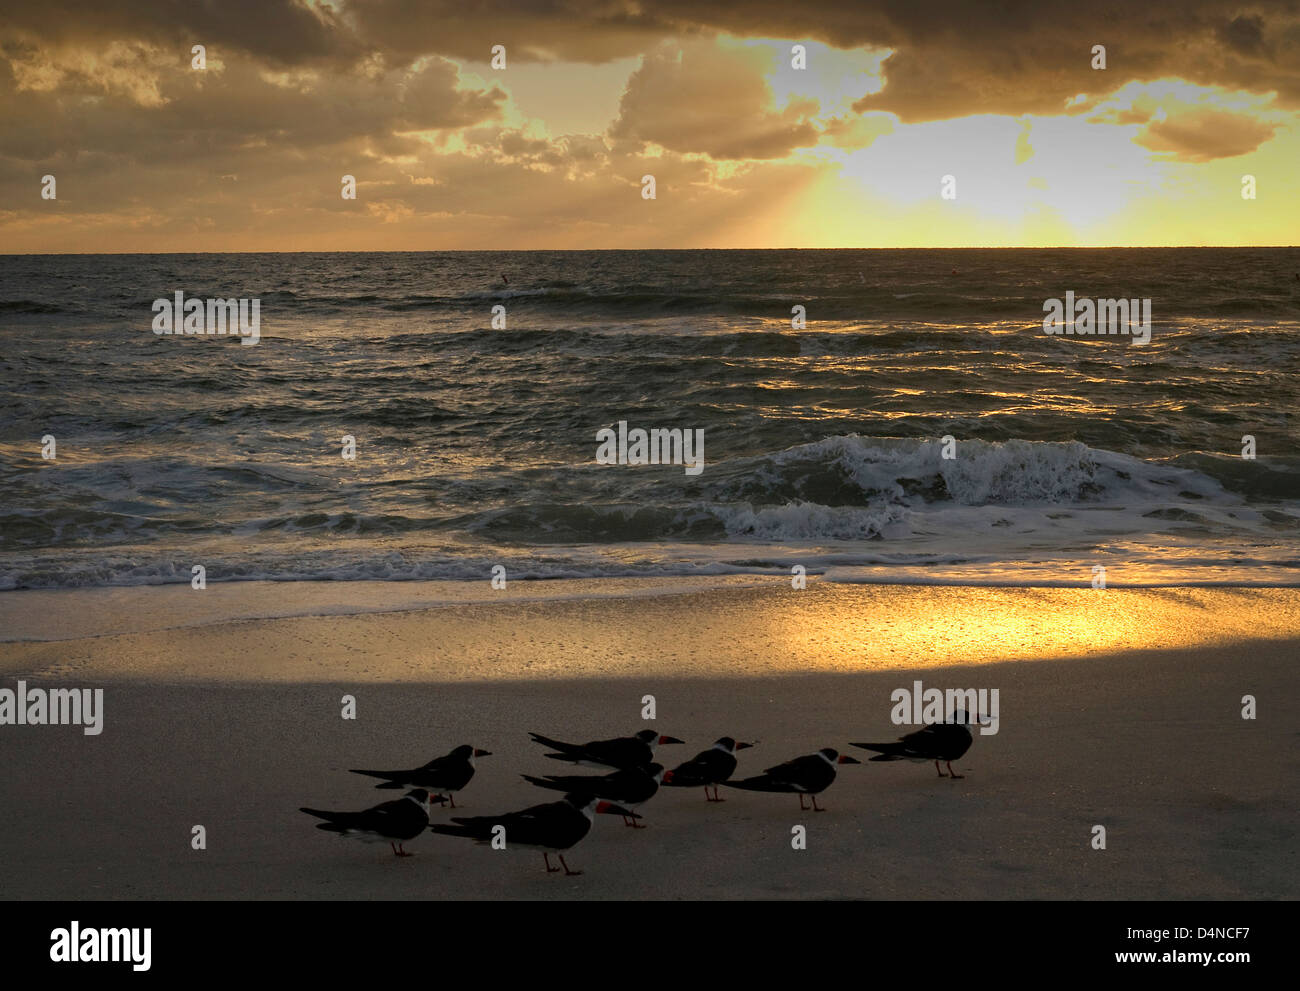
x: 463, y: 752
x: 647, y: 735
x: 833, y: 756
x: 730, y: 745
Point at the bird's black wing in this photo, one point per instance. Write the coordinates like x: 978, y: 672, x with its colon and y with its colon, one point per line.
x: 614, y: 751
x: 388, y: 775
x: 706, y: 768
x: 923, y: 739
x: 938, y: 741
x: 795, y: 770
x: 445, y: 762
x: 560, y: 783
x: 559, y: 745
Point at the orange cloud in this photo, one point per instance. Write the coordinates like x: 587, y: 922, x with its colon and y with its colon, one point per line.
x: 698, y: 97
x: 1203, y: 135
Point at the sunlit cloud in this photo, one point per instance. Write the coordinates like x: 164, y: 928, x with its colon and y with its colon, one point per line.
x: 818, y: 126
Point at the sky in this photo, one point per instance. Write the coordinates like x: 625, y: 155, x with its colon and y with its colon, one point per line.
x: 764, y: 124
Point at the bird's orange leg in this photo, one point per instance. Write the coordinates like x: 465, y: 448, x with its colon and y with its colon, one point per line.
x: 567, y: 872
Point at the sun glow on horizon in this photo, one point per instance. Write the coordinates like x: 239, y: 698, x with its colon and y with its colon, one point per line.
x: 747, y: 150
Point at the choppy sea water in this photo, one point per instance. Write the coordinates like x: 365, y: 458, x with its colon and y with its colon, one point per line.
x: 822, y: 446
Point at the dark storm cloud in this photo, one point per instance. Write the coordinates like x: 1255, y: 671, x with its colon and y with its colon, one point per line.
x: 278, y: 31
x: 1245, y: 34
x: 563, y: 30
x: 949, y: 57
x: 235, y: 108
x: 1033, y: 57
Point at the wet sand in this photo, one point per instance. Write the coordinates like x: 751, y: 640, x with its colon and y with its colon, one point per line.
x: 1117, y: 708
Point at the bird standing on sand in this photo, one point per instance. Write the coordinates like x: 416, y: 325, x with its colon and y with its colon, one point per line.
x: 630, y: 788
x: 945, y: 742
x: 621, y: 753
x: 396, y: 822
x: 445, y: 775
x: 551, y: 828
x: 810, y: 775
x: 709, y: 767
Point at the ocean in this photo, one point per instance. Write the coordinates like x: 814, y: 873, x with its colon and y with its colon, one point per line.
x: 823, y: 446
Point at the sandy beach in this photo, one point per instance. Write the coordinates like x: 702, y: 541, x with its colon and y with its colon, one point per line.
x: 1119, y: 708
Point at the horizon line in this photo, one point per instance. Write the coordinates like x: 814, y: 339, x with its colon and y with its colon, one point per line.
x: 419, y: 251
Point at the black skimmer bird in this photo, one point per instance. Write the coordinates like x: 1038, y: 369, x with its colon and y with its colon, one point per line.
x: 944, y: 741
x: 630, y: 788
x: 809, y: 775
x: 551, y: 828
x: 443, y: 775
x: 622, y: 754
x: 395, y: 822
x: 708, y: 767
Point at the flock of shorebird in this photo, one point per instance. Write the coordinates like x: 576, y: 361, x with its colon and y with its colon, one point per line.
x: 555, y: 827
